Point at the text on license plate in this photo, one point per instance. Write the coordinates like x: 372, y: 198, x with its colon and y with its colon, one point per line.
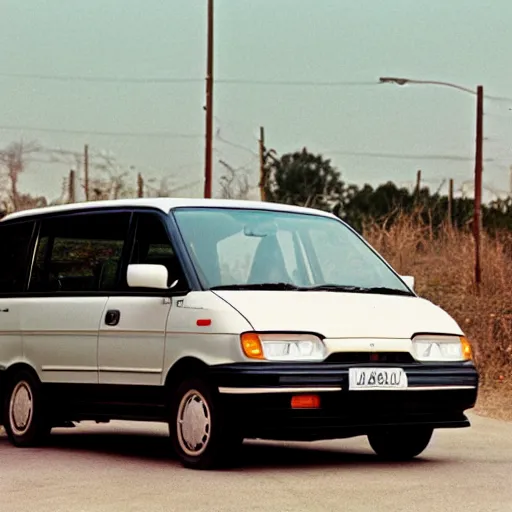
x: 377, y: 378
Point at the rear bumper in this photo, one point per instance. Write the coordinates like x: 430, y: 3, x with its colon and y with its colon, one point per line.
x: 258, y: 398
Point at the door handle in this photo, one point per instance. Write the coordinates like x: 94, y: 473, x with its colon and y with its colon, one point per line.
x: 112, y: 317
x: 6, y: 310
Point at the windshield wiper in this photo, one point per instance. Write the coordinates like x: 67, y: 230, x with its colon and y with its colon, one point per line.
x: 382, y: 290
x: 257, y: 286
x: 322, y: 287
x: 332, y: 288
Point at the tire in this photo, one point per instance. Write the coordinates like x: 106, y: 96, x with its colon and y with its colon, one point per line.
x: 400, y: 444
x: 213, y: 442
x: 24, y: 420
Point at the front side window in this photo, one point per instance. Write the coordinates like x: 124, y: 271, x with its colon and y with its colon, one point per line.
x: 79, y: 253
x: 14, y: 255
x: 232, y: 247
x: 152, y: 246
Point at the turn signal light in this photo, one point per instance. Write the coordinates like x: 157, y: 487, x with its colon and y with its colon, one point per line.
x: 251, y: 345
x: 467, y: 351
x: 305, y: 402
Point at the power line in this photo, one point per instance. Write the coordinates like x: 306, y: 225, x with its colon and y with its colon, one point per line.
x: 308, y: 83
x: 403, y: 156
x: 234, y: 144
x: 184, y: 80
x: 103, y: 79
x: 226, y: 81
x: 398, y: 156
x: 169, y: 135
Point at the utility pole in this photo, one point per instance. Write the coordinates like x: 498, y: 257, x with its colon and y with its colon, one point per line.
x: 478, y: 180
x: 209, y: 106
x: 262, y: 164
x: 450, y: 203
x: 71, y: 187
x: 86, y: 171
x: 477, y: 223
x: 418, y: 183
x: 140, y: 185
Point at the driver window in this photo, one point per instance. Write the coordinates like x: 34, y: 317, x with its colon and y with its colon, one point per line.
x: 152, y: 246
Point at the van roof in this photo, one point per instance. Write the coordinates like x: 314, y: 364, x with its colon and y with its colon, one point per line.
x: 164, y: 204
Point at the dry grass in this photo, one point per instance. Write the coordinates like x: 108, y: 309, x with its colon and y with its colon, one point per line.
x: 495, y: 402
x: 443, y: 266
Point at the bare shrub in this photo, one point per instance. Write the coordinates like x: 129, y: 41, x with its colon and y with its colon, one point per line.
x: 443, y: 265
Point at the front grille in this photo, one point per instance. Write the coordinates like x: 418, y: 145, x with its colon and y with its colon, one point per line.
x: 370, y: 357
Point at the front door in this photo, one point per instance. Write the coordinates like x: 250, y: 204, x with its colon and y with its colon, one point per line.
x: 132, y: 340
x: 132, y: 331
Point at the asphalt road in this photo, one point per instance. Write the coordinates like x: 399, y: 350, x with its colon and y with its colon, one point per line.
x: 124, y: 467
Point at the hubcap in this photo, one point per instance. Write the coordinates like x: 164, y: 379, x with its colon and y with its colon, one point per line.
x: 21, y: 408
x: 194, y: 423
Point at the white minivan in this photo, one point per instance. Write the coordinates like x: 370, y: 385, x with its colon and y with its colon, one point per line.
x: 228, y: 320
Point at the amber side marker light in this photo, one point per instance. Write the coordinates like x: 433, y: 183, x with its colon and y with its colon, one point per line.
x: 467, y: 351
x: 305, y: 402
x: 251, y: 345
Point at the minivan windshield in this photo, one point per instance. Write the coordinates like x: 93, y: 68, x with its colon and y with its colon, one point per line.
x: 262, y: 249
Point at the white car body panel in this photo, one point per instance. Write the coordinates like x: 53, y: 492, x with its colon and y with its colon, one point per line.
x: 166, y: 204
x: 11, y: 346
x: 60, y: 337
x: 217, y: 343
x: 341, y: 315
x: 132, y: 352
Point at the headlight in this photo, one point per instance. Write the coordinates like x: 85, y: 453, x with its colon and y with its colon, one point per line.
x: 283, y: 347
x: 441, y: 348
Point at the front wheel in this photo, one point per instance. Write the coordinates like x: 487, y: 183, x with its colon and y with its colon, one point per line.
x: 201, y: 433
x: 400, y: 444
x: 24, y: 418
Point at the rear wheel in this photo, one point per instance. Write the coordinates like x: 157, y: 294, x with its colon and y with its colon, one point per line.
x: 400, y: 444
x: 24, y: 419
x: 201, y: 433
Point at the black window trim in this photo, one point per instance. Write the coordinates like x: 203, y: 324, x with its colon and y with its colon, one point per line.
x: 170, y: 226
x: 269, y: 208
x: 127, y: 256
x: 27, y: 256
x: 72, y: 214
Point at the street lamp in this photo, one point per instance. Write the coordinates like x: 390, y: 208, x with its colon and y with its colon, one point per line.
x: 478, y: 154
x: 405, y: 81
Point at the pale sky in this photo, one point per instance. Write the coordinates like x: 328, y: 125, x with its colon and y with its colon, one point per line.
x: 351, y: 41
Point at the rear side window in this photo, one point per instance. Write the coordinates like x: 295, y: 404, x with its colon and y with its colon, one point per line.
x: 80, y: 253
x: 14, y: 255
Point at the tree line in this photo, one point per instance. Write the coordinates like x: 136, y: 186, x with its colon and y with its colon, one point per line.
x: 306, y: 179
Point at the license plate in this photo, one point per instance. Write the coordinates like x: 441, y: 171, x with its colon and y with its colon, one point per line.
x: 377, y: 378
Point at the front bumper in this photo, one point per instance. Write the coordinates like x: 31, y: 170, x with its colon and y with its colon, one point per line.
x: 257, y: 396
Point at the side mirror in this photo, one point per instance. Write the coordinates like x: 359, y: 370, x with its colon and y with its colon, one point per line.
x: 409, y: 281
x: 147, y: 276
